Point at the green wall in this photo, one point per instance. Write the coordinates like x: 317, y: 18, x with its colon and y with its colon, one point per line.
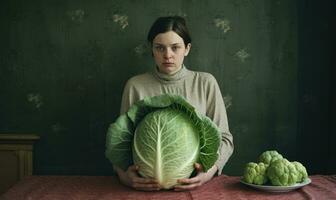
x: 63, y: 66
x: 316, y: 84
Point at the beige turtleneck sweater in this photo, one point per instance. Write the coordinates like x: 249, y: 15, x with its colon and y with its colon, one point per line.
x: 199, y: 88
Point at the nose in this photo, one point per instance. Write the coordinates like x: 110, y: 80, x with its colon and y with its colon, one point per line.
x: 168, y: 53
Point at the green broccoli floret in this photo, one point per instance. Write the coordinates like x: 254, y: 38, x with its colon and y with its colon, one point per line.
x: 255, y: 173
x: 282, y: 173
x: 268, y: 157
x: 302, y: 172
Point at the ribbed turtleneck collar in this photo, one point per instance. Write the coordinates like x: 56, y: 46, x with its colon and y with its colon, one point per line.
x: 171, y: 78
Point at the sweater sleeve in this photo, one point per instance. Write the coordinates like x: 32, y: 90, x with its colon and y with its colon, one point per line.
x: 129, y: 96
x: 217, y: 112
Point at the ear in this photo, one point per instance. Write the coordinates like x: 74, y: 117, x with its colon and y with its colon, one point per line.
x: 188, y: 47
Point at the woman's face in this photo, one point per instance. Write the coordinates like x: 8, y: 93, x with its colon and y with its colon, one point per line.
x: 169, y: 51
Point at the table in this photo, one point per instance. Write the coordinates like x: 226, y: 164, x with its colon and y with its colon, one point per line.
x: 222, y: 187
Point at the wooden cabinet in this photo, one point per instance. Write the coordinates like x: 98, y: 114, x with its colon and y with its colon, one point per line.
x: 16, y: 158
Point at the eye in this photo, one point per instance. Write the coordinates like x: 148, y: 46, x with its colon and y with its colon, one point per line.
x: 175, y: 48
x: 159, y: 48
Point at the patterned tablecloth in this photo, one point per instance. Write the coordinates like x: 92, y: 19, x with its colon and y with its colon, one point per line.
x: 223, y: 187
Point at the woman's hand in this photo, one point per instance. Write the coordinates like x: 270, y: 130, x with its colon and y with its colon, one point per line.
x: 132, y: 179
x: 201, y: 178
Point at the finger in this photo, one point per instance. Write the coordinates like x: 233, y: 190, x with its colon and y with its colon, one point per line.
x: 198, y: 167
x: 187, y: 187
x: 133, y: 168
x: 189, y: 180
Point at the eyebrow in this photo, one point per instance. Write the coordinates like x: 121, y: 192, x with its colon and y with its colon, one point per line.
x: 159, y: 44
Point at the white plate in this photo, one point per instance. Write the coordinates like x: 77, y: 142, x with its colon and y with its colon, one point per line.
x: 271, y: 188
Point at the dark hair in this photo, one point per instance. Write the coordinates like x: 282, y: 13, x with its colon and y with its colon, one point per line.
x: 170, y: 23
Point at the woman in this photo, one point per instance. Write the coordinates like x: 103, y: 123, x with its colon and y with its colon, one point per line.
x: 171, y: 42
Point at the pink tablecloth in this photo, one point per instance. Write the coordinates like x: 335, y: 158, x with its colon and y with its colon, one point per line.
x: 106, y: 187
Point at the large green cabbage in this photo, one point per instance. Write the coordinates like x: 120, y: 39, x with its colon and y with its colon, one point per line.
x: 164, y: 135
